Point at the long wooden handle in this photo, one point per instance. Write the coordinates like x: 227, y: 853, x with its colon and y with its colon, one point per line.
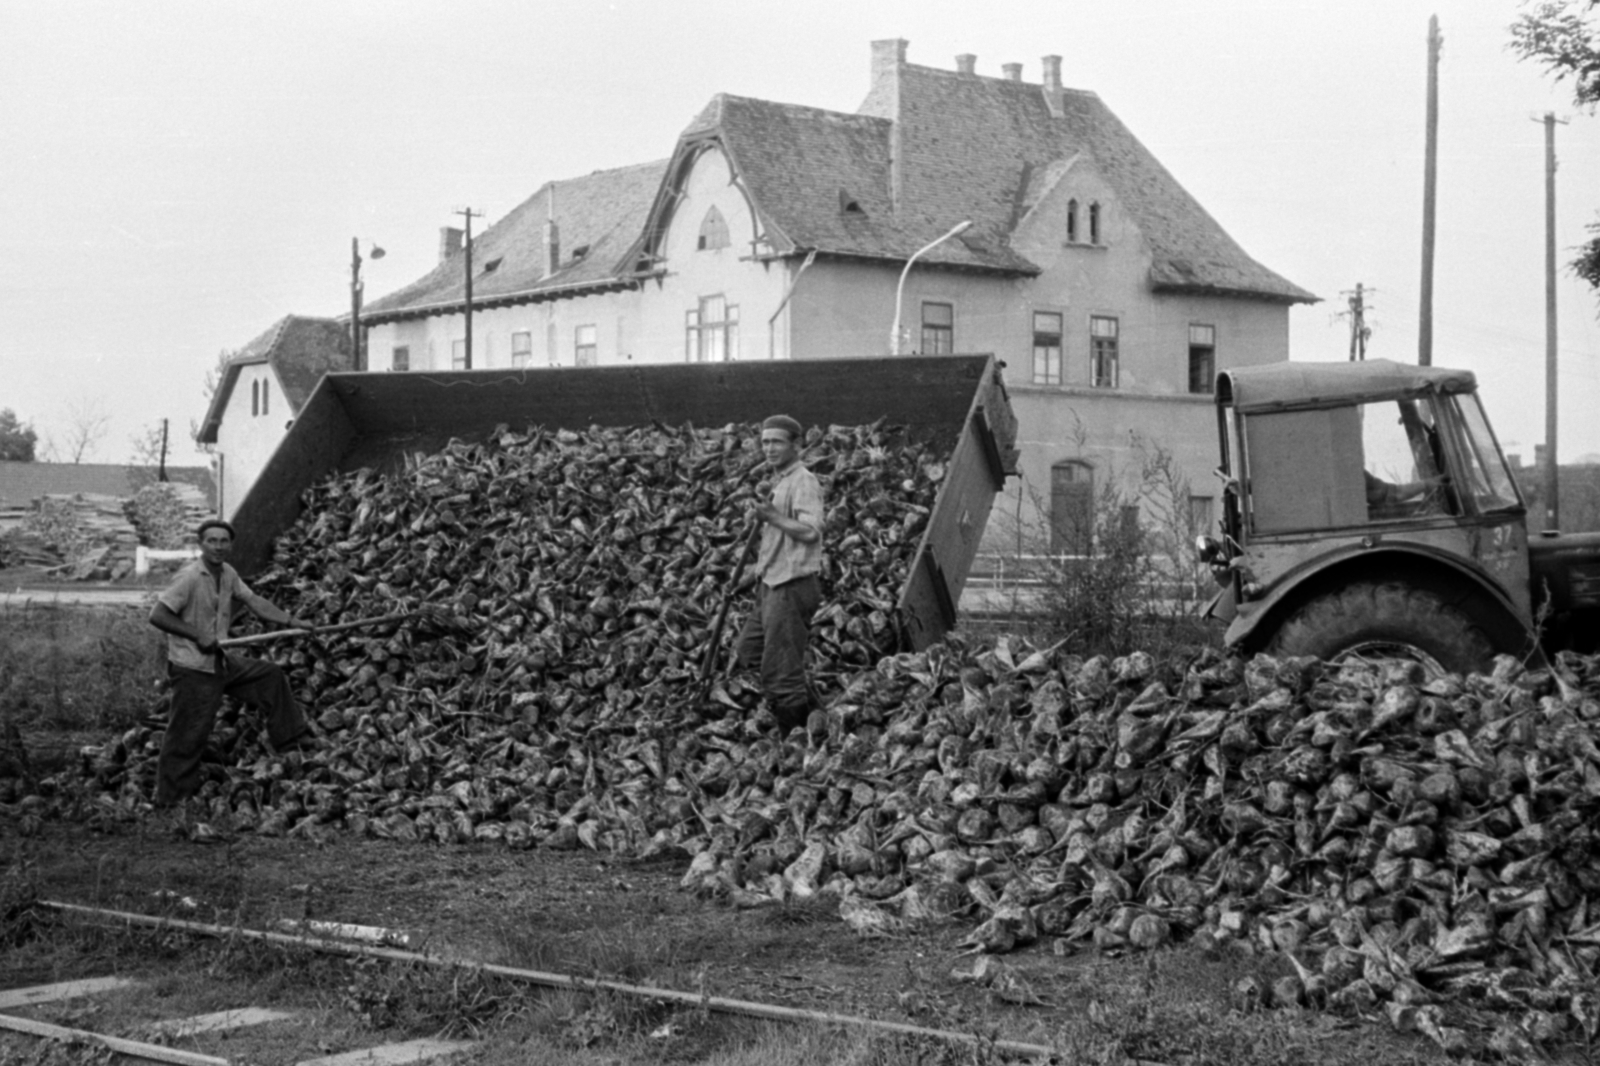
x: 285, y: 634
x: 713, y: 646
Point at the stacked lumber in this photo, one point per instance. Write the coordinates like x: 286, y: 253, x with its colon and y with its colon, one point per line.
x: 88, y: 534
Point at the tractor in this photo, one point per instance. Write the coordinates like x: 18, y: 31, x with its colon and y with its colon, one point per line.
x: 1368, y: 511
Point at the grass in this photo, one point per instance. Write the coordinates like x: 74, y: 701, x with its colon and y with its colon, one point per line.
x: 65, y: 668
x: 69, y: 676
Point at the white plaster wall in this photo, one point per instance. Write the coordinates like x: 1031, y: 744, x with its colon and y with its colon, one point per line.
x: 245, y: 442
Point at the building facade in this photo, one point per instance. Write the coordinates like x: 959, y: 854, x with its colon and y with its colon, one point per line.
x: 777, y: 231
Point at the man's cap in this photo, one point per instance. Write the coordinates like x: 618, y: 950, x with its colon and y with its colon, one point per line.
x: 216, y: 523
x: 785, y: 423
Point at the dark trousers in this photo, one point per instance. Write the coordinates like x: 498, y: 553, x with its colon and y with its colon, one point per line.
x: 774, y: 638
x: 195, y: 698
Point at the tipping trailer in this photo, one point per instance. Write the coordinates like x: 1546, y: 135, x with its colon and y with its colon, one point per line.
x: 1368, y: 509
x: 355, y: 420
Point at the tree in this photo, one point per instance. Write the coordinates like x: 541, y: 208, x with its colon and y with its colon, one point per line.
x: 87, y: 422
x: 1557, y: 35
x: 1563, y: 37
x: 17, y: 440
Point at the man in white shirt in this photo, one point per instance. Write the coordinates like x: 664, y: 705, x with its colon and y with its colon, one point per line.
x: 787, y: 568
x: 194, y: 611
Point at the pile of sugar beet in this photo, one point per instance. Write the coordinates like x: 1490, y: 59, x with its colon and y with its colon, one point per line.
x: 1419, y: 848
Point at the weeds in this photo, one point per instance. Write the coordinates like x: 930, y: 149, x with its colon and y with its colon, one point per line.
x: 67, y: 669
x: 1113, y: 566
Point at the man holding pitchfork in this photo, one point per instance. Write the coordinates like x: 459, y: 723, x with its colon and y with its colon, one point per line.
x: 194, y: 612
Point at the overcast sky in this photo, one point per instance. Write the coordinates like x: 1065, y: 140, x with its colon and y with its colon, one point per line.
x: 176, y: 176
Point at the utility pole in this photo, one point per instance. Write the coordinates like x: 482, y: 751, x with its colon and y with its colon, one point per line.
x: 1359, y: 330
x: 1552, y: 486
x: 1430, y: 180
x: 469, y: 214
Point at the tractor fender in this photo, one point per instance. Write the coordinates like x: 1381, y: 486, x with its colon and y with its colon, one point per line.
x: 1415, y: 564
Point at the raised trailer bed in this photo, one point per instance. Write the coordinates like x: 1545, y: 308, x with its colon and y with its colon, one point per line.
x: 375, y: 420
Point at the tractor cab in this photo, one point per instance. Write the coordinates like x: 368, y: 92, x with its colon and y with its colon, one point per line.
x: 1364, y: 473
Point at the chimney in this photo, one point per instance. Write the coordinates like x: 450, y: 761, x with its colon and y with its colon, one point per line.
x: 552, y: 236
x: 1052, y: 72
x: 887, y: 55
x: 1012, y: 71
x: 449, y: 242
x: 966, y: 63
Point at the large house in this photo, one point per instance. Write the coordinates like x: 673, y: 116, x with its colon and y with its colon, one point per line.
x: 777, y: 231
x: 262, y: 389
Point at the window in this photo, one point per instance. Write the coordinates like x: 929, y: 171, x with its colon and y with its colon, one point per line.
x: 938, y: 329
x: 1094, y: 223
x: 255, y: 398
x: 266, y: 387
x: 713, y: 231
x: 458, y: 354
x: 1071, y: 508
x: 1103, y: 351
x: 1346, y: 466
x: 711, y: 331
x: 1072, y: 222
x: 401, y: 359
x: 1202, y: 515
x: 1202, y: 358
x: 585, y: 349
x: 1046, y: 348
x: 521, y: 348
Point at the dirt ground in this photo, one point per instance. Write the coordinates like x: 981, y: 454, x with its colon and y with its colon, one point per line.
x: 593, y: 915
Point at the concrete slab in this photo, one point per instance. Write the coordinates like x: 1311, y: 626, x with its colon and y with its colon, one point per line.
x: 392, y: 1054
x: 27, y: 997
x: 220, y: 1021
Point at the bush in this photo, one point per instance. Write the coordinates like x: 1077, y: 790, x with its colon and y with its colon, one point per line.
x: 1133, y: 579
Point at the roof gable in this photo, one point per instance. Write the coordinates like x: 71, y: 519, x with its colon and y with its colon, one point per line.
x: 299, y: 349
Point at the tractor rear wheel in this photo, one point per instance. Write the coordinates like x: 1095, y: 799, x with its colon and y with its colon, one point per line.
x: 1387, y: 619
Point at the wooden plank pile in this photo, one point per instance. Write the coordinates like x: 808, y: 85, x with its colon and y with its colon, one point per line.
x: 86, y: 534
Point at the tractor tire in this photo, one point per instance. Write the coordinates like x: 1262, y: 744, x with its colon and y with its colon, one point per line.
x: 1387, y: 619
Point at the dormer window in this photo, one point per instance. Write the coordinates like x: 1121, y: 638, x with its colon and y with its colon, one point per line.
x: 492, y: 265
x: 713, y: 231
x: 1072, y: 222
x: 849, y: 206
x: 1094, y: 223
x: 579, y: 252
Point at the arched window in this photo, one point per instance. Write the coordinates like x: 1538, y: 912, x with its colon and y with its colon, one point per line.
x: 1072, y: 508
x: 1094, y: 223
x: 255, y: 398
x: 713, y: 230
x: 1072, y: 222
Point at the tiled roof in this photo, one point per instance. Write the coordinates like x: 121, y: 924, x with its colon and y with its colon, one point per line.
x: 22, y: 483
x: 968, y: 147
x: 602, y: 212
x: 972, y: 147
x: 802, y: 164
x: 300, y: 349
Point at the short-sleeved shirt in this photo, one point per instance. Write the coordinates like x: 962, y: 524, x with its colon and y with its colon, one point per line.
x: 782, y: 558
x: 205, y: 603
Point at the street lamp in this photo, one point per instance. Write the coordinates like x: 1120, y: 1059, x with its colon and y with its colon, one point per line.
x: 358, y: 360
x: 899, y: 292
